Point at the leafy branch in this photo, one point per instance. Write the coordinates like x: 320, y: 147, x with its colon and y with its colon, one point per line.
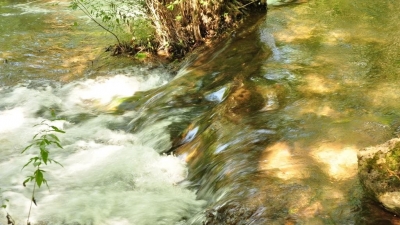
x: 75, y: 4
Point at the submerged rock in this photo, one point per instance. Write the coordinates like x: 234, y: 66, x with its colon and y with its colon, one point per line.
x: 379, y: 172
x: 244, y: 100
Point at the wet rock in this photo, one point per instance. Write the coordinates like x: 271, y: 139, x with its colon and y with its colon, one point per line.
x: 244, y: 100
x: 233, y: 213
x: 379, y: 173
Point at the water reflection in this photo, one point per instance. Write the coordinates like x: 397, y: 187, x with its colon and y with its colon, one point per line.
x: 323, y: 81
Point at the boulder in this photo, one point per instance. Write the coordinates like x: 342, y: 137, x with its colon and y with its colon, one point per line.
x: 379, y: 173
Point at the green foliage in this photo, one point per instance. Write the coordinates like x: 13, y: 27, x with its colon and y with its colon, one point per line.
x: 168, y: 27
x: 3, y: 204
x: 3, y: 201
x: 43, y: 141
x: 119, y: 17
x: 172, y: 5
x: 142, y: 31
x: 141, y: 55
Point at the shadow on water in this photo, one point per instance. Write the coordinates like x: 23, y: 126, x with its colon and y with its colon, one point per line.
x: 270, y: 122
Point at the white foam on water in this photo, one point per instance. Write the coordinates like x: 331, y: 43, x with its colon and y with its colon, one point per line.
x: 103, y: 91
x: 38, y: 7
x: 8, y: 14
x: 11, y: 119
x: 100, y: 92
x: 31, y: 8
x: 109, y: 176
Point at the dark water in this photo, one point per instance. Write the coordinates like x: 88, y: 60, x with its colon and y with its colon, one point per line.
x: 269, y: 121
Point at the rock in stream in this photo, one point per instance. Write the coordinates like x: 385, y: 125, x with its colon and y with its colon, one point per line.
x: 379, y: 173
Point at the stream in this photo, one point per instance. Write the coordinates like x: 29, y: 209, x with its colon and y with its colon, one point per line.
x: 261, y: 128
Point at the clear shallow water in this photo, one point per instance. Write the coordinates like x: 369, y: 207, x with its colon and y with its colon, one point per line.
x: 278, y: 113
x: 44, y: 40
x: 266, y: 125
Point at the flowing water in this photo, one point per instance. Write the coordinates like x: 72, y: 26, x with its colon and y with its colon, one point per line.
x: 110, y: 176
x: 263, y: 128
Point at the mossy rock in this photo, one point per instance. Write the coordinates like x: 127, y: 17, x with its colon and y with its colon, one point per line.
x: 244, y: 100
x: 231, y: 213
x: 379, y: 173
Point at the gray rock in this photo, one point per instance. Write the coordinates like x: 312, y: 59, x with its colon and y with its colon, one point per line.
x: 379, y: 173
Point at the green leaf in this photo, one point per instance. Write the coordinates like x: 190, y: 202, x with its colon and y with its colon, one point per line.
x: 57, y: 162
x: 140, y: 55
x: 41, y: 123
x: 36, y: 164
x: 58, y: 144
x: 42, y: 144
x: 45, y: 155
x: 45, y: 141
x: 27, y: 180
x: 39, y: 177
x: 74, y: 5
x: 42, y: 148
x: 34, y: 137
x: 170, y: 7
x: 54, y: 137
x: 27, y: 147
x: 56, y: 129
x: 30, y: 160
x: 4, y: 206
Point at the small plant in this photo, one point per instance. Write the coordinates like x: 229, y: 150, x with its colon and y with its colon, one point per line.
x: 3, y: 203
x: 42, y: 141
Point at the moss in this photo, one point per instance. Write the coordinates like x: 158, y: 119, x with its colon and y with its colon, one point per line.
x: 393, y: 158
x: 380, y: 172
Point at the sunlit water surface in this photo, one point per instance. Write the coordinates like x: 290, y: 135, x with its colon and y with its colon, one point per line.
x: 266, y: 126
